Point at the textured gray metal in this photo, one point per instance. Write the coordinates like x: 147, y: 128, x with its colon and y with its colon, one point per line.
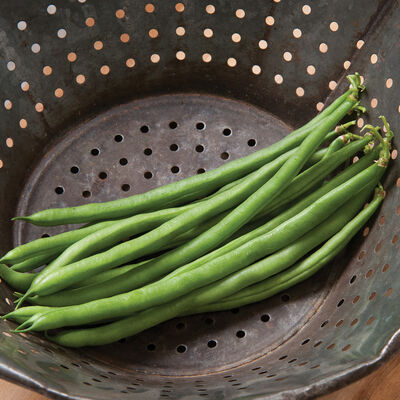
x: 319, y: 335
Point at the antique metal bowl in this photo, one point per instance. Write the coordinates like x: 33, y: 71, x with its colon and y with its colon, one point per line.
x: 103, y: 99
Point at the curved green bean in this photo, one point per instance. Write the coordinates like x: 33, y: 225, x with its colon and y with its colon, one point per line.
x: 57, y: 242
x: 17, y: 280
x: 36, y: 261
x: 22, y: 314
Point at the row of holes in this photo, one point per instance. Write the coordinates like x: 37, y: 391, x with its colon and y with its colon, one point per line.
x: 239, y: 334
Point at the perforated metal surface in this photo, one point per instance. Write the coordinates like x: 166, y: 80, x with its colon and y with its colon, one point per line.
x: 67, y: 62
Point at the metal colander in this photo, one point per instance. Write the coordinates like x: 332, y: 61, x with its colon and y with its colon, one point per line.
x: 103, y: 99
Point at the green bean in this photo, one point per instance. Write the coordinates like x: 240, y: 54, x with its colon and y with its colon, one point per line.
x: 300, y: 271
x: 24, y: 313
x: 193, y: 302
x: 58, y: 242
x: 36, y: 261
x: 17, y: 280
x: 153, y: 240
x: 186, y: 190
x: 170, y: 288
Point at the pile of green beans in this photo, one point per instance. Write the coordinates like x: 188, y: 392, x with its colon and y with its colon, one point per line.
x: 232, y: 236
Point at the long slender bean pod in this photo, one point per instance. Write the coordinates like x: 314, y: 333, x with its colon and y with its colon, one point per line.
x: 17, y: 280
x: 144, y: 244
x: 58, y: 242
x: 36, y: 261
x: 24, y: 313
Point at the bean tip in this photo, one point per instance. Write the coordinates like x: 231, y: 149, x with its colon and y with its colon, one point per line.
x: 20, y: 218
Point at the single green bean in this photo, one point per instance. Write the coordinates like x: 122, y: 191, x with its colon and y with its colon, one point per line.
x: 58, y: 242
x: 17, y: 280
x: 192, y: 303
x: 186, y: 190
x: 36, y: 261
x: 24, y: 313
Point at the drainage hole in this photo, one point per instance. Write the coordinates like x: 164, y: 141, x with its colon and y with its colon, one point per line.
x: 123, y: 161
x: 240, y: 334
x: 181, y: 348
x: 118, y: 138
x: 86, y: 193
x: 251, y: 142
x: 74, y: 169
x: 224, y: 155
x: 201, y: 171
x: 200, y: 126
x: 175, y: 169
x: 265, y: 318
x: 125, y: 187
x: 95, y: 152
x: 173, y: 125
x: 199, y: 148
x: 211, y: 344
x: 148, y: 152
x: 227, y: 132
x: 148, y: 175
x: 59, y: 190
x: 285, y: 298
x: 173, y: 147
x: 151, y: 347
x: 144, y: 129
x: 103, y: 175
